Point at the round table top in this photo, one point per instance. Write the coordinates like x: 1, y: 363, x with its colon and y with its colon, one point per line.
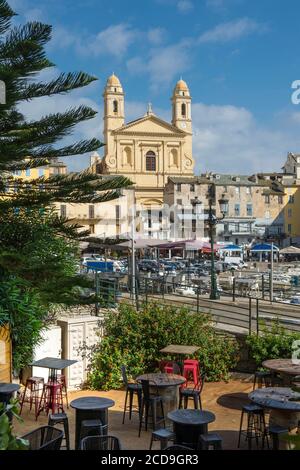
x: 8, y: 387
x: 283, y: 366
x: 92, y: 403
x: 191, y: 417
x: 276, y: 398
x: 162, y: 380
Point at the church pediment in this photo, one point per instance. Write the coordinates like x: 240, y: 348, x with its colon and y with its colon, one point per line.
x: 149, y: 125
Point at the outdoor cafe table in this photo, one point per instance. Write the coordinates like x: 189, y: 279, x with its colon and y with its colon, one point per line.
x: 284, y: 411
x: 7, y: 390
x: 286, y: 367
x: 168, y: 388
x: 6, y: 393
x: 90, y: 408
x: 180, y: 350
x: 189, y: 424
x: 53, y: 364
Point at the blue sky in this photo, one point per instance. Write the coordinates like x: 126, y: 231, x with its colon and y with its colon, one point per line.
x: 239, y: 58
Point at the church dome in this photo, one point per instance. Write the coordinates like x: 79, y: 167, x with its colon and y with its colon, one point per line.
x: 113, y: 81
x: 181, y: 86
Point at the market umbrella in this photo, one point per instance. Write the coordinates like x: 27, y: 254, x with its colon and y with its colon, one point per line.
x: 290, y: 250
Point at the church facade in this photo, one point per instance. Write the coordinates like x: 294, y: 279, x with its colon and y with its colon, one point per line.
x: 147, y: 150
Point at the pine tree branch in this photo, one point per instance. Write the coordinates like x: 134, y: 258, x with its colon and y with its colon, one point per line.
x: 52, y: 127
x: 9, y: 153
x: 6, y: 14
x: 62, y: 84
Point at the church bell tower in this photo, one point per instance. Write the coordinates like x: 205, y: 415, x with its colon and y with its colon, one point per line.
x: 114, y: 114
x: 181, y: 107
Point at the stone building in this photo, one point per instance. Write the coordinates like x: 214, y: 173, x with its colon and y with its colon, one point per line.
x: 56, y: 167
x: 104, y: 220
x: 147, y: 150
x: 255, y: 206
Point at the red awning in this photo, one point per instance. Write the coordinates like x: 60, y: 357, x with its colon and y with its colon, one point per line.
x: 207, y: 248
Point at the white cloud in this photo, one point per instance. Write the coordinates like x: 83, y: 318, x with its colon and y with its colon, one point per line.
x: 156, y: 35
x: 231, y: 30
x: 167, y: 63
x: 114, y: 40
x: 220, y: 6
x: 185, y: 6
x: 215, y: 3
x: 62, y: 38
x: 26, y: 11
x: 34, y: 14
x: 163, y: 65
x: 228, y: 139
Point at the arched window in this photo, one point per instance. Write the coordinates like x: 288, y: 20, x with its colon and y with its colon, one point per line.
x: 115, y: 106
x: 183, y: 110
x: 150, y: 161
x: 127, y: 156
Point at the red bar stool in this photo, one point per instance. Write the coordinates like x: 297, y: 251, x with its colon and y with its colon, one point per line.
x: 191, y: 369
x: 33, y: 388
x: 51, y: 399
x: 168, y: 368
x: 61, y: 379
x: 172, y: 368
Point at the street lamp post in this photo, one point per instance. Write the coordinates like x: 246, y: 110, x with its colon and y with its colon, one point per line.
x: 212, y: 222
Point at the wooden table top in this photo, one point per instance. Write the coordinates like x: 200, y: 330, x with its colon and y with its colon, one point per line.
x: 280, y: 398
x: 283, y: 366
x: 191, y: 417
x: 180, y: 349
x: 162, y: 380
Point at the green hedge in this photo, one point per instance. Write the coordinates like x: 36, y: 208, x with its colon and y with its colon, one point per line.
x: 134, y: 338
x: 271, y: 343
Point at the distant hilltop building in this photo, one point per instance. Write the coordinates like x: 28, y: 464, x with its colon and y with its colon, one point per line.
x: 147, y: 150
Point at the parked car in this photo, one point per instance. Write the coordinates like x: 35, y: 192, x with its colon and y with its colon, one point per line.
x: 239, y: 265
x: 148, y: 266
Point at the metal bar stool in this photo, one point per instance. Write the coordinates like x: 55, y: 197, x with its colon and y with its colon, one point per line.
x: 262, y: 379
x: 61, y: 418
x: 131, y: 390
x: 275, y: 431
x: 211, y: 439
x: 51, y: 399
x: 149, y: 404
x: 33, y: 388
x: 92, y: 427
x: 256, y: 425
x: 164, y: 436
x: 61, y: 379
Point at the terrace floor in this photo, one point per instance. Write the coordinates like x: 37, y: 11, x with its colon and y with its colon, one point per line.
x: 223, y: 399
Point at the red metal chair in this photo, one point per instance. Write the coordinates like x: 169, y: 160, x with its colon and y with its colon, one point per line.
x: 191, y: 369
